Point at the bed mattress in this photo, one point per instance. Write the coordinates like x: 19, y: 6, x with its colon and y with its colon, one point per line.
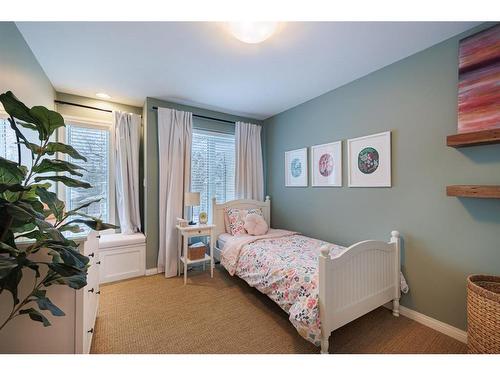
x: 223, y: 238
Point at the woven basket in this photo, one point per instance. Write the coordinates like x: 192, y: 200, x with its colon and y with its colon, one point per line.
x: 483, y: 314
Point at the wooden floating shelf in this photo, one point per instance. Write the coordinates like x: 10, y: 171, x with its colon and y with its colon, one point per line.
x: 483, y: 137
x: 474, y: 191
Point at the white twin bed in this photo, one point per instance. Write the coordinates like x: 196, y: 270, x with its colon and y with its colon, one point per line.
x: 320, y: 285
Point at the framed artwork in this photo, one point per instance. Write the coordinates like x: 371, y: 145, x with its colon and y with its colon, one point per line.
x: 369, y: 160
x: 296, y: 167
x: 478, y: 77
x: 326, y: 164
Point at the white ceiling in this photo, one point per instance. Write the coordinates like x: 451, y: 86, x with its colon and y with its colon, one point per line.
x: 200, y: 64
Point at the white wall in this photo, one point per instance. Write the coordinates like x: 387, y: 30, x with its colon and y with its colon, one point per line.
x: 20, y: 72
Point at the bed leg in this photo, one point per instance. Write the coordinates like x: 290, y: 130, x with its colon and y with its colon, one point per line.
x: 324, y: 344
x: 395, y: 307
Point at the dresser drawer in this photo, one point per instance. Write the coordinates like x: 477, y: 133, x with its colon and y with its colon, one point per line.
x: 90, y: 295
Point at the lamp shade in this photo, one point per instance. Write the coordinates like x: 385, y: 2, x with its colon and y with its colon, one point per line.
x: 191, y: 199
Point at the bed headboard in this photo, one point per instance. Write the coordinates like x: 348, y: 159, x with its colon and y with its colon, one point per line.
x: 217, y: 216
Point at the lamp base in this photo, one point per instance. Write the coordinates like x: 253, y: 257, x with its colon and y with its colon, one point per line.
x: 192, y: 223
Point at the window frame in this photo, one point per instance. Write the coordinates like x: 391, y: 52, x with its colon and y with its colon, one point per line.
x: 89, y: 123
x: 215, y: 133
x: 3, y: 115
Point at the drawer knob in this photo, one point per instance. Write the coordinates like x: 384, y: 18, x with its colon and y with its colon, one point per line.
x: 90, y: 330
x: 98, y: 292
x: 199, y: 231
x: 99, y: 262
x: 91, y: 255
x: 91, y: 290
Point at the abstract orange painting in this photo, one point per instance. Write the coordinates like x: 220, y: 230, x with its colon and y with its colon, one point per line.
x: 479, y: 81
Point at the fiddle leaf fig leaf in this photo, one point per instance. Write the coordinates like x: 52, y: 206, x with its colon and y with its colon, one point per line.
x: 53, y: 147
x: 94, y: 223
x: 20, y: 214
x: 55, y: 205
x: 84, y: 205
x: 10, y: 172
x: 61, y: 273
x: 34, y: 234
x: 16, y: 108
x: 19, y: 135
x: 18, y: 227
x: 10, y: 276
x: 46, y: 304
x: 70, y: 256
x: 49, y: 120
x: 12, y: 188
x: 36, y: 316
x: 36, y: 149
x: 30, y: 193
x: 27, y: 126
x: 55, y: 165
x: 8, y: 249
x: 7, y: 264
x: 24, y: 211
x: 68, y: 181
x: 71, y: 228
x: 33, y: 205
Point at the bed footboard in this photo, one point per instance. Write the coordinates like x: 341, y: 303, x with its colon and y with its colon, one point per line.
x: 363, y: 278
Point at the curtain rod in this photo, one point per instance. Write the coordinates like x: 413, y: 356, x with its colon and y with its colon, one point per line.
x: 207, y: 117
x: 154, y: 108
x: 83, y: 106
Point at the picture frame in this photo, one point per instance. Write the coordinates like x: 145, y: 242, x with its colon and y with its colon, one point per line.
x: 296, y: 171
x: 326, y: 165
x: 369, y: 160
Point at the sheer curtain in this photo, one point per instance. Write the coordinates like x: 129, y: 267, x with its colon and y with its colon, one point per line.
x: 249, y: 169
x: 127, y: 138
x: 174, y: 149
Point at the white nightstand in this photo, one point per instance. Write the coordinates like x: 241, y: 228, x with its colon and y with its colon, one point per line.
x: 184, y: 234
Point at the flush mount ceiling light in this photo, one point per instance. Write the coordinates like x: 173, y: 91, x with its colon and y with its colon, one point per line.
x: 103, y: 95
x: 252, y: 32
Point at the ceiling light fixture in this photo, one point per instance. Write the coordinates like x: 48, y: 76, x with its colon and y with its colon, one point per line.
x: 252, y: 32
x: 103, y: 95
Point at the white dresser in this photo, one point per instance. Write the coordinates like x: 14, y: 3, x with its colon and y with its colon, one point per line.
x: 71, y: 333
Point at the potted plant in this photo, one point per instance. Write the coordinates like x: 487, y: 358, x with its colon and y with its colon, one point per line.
x: 30, y: 209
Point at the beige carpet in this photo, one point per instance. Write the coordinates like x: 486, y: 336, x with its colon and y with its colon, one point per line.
x: 224, y: 315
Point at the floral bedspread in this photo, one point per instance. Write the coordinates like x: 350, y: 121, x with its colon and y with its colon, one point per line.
x: 283, y: 266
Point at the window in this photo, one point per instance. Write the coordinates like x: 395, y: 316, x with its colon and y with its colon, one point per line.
x: 93, y: 142
x: 212, y: 168
x: 8, y: 146
x: 8, y: 141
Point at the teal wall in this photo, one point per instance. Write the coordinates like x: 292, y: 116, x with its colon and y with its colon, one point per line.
x: 20, y: 72
x: 445, y: 238
x: 150, y: 171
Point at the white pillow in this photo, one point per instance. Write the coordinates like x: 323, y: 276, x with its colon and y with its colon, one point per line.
x: 236, y: 219
x: 255, y: 225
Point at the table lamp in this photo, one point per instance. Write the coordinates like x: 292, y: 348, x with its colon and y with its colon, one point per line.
x: 191, y: 199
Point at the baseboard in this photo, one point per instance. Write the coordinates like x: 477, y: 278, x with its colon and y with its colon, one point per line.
x: 151, y: 271
x: 435, y: 324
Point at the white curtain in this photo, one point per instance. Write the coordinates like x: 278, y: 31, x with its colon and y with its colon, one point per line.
x: 127, y: 138
x: 249, y: 169
x: 174, y: 150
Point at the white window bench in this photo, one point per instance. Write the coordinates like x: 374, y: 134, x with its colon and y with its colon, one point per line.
x: 122, y: 256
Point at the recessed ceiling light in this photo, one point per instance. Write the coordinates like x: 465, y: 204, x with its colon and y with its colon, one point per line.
x: 252, y: 32
x: 103, y: 95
